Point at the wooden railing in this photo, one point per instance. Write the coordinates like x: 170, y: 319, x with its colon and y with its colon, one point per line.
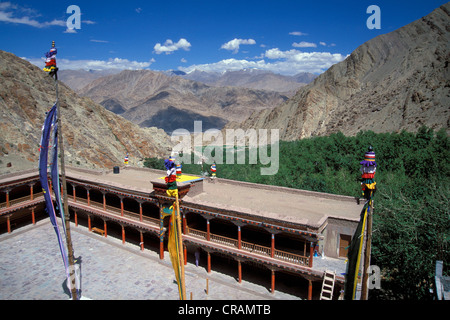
x: 251, y: 247
x: 19, y: 200
x: 291, y: 257
x: 118, y: 211
x: 255, y: 248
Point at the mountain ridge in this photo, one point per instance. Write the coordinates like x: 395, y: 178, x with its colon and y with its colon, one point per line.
x: 253, y: 79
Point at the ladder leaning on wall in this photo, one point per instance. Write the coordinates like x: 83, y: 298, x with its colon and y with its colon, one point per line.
x: 329, y: 278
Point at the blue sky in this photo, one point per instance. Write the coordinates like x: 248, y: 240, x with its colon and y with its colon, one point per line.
x: 282, y: 36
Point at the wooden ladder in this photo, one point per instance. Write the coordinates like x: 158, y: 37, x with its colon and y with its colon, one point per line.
x: 329, y: 278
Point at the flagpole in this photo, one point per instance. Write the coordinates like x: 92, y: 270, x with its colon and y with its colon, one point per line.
x: 180, y: 246
x: 64, y: 188
x: 368, y: 174
x: 367, y: 253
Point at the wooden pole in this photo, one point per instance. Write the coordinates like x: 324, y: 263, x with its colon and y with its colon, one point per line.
x: 311, y: 254
x: 180, y: 246
x: 272, y: 247
x: 65, y: 203
x: 33, y: 218
x: 209, y: 262
x: 367, y: 253
x: 239, y: 271
x: 272, y: 286
x: 239, y: 238
x: 310, y: 289
x: 8, y: 223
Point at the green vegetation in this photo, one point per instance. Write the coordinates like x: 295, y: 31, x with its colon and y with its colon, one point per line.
x: 411, y: 228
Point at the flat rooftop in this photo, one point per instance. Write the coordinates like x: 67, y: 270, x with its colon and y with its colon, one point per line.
x: 291, y: 205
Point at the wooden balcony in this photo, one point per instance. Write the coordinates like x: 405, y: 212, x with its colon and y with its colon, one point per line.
x: 250, y: 247
x: 19, y: 203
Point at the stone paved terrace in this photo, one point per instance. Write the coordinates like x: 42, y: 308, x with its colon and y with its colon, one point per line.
x: 31, y: 268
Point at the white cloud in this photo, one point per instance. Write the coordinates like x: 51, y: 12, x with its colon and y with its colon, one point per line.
x: 11, y: 13
x: 283, y: 62
x: 68, y: 30
x: 226, y: 65
x: 304, y: 44
x: 297, y: 33
x: 169, y: 46
x: 322, y: 43
x: 235, y: 43
x: 115, y: 63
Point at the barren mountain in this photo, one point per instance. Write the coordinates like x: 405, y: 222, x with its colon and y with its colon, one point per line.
x: 397, y: 81
x: 253, y: 79
x: 151, y: 98
x: 77, y: 79
x: 93, y: 136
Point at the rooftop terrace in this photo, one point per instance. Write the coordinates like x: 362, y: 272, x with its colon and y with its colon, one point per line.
x: 297, y: 206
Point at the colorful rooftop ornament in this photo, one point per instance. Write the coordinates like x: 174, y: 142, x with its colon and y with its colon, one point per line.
x: 368, y: 170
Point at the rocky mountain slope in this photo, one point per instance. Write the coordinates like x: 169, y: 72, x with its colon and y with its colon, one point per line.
x: 396, y: 81
x: 151, y: 98
x: 93, y: 136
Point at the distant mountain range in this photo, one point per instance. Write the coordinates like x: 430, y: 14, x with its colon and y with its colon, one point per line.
x: 253, y: 79
x: 77, y: 79
x: 175, y: 99
x: 151, y: 98
x: 246, y: 78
